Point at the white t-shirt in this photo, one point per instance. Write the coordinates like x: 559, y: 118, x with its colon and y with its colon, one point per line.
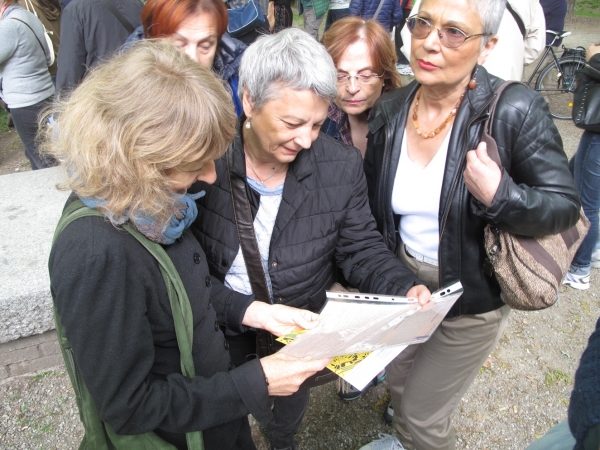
x: 416, y: 197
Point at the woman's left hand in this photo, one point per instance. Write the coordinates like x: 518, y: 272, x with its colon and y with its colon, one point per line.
x: 482, y: 175
x: 279, y: 319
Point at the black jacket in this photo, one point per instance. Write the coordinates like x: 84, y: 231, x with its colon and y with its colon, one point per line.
x: 537, y: 195
x: 112, y: 301
x: 90, y: 33
x: 324, y: 219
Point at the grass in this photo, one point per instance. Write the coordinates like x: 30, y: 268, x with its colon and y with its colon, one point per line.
x: 42, y: 375
x: 3, y: 121
x: 554, y: 376
x: 589, y: 8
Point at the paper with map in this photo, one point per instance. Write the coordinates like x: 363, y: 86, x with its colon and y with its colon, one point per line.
x: 369, y: 331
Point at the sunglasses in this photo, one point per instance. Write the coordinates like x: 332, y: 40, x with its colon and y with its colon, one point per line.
x: 450, y: 37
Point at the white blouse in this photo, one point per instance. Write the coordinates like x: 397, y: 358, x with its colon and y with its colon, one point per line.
x: 416, y: 198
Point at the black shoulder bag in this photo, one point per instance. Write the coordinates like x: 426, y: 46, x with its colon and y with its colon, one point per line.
x: 266, y: 343
x: 586, y: 100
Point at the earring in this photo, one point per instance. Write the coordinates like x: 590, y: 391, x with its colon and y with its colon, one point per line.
x: 247, y: 125
x: 473, y: 82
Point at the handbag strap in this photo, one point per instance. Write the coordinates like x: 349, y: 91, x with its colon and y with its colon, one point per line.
x: 178, y: 298
x: 246, y: 235
x: 492, y: 147
x: 112, y: 8
x: 381, y: 2
x: 27, y: 25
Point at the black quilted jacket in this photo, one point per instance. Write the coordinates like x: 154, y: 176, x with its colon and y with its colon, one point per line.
x: 537, y: 195
x: 324, y: 219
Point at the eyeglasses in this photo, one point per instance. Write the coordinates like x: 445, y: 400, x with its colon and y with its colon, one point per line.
x: 361, y: 78
x: 450, y: 37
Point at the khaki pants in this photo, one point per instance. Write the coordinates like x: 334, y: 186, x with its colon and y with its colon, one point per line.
x: 428, y: 380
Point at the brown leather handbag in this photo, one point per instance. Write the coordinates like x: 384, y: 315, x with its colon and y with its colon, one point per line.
x: 529, y: 270
x: 266, y: 343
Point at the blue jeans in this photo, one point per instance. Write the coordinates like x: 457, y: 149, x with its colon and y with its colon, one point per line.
x: 558, y: 437
x: 585, y: 166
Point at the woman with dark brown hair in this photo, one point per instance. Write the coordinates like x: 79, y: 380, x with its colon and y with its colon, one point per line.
x: 365, y: 60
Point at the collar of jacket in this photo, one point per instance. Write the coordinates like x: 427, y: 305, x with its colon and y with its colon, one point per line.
x: 228, y: 56
x: 389, y: 115
x: 398, y: 101
x: 299, y: 168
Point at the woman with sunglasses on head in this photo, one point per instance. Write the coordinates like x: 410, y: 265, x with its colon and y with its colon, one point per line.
x: 433, y: 189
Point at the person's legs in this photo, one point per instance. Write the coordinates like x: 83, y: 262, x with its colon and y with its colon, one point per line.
x: 443, y: 369
x: 26, y: 124
x: 398, y: 37
x: 586, y: 170
x: 334, y: 15
x: 283, y: 17
x: 311, y: 23
x: 558, y: 437
x: 289, y: 412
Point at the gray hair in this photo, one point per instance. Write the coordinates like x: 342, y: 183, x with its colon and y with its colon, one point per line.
x: 290, y: 58
x: 490, y: 12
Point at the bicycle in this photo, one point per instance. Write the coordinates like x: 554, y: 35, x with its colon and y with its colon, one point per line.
x: 556, y: 81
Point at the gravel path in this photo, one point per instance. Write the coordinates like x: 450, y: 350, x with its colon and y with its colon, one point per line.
x: 522, y: 390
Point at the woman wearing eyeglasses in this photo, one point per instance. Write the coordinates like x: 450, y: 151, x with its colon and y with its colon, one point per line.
x: 365, y: 60
x: 432, y: 195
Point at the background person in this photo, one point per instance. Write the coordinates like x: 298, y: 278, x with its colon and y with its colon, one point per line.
x: 198, y: 28
x: 585, y: 167
x: 582, y: 431
x: 307, y: 194
x: 26, y: 83
x: 403, y: 65
x: 555, y: 12
x: 90, y: 33
x: 428, y: 131
x: 365, y: 60
x: 313, y: 11
x: 48, y: 11
x: 338, y: 9
x: 387, y: 12
x: 124, y: 159
x: 284, y: 15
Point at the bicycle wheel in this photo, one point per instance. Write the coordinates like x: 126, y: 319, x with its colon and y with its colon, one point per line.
x: 556, y: 86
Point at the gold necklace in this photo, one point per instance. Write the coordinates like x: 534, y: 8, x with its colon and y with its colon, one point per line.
x: 438, y: 130
x: 255, y: 174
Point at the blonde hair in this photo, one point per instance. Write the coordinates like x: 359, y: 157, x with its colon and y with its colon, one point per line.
x: 131, y: 121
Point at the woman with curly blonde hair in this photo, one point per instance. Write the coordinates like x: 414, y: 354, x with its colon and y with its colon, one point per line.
x: 132, y: 138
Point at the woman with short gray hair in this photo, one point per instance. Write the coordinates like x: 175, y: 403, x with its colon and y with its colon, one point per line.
x: 434, y: 189
x: 307, y: 195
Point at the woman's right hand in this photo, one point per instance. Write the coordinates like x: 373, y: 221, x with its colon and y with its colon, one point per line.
x: 286, y: 373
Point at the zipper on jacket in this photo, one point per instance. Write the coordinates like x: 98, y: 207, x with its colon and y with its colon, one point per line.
x: 478, y: 117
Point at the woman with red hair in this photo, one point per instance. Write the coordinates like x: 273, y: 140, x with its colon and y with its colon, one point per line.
x: 198, y: 28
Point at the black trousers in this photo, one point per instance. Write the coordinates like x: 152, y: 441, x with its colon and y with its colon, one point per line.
x: 26, y: 123
x: 288, y: 411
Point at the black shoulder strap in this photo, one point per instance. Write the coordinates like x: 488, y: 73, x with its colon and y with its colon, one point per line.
x: 27, y: 25
x: 182, y: 318
x: 518, y: 19
x: 128, y: 26
x: 246, y: 235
